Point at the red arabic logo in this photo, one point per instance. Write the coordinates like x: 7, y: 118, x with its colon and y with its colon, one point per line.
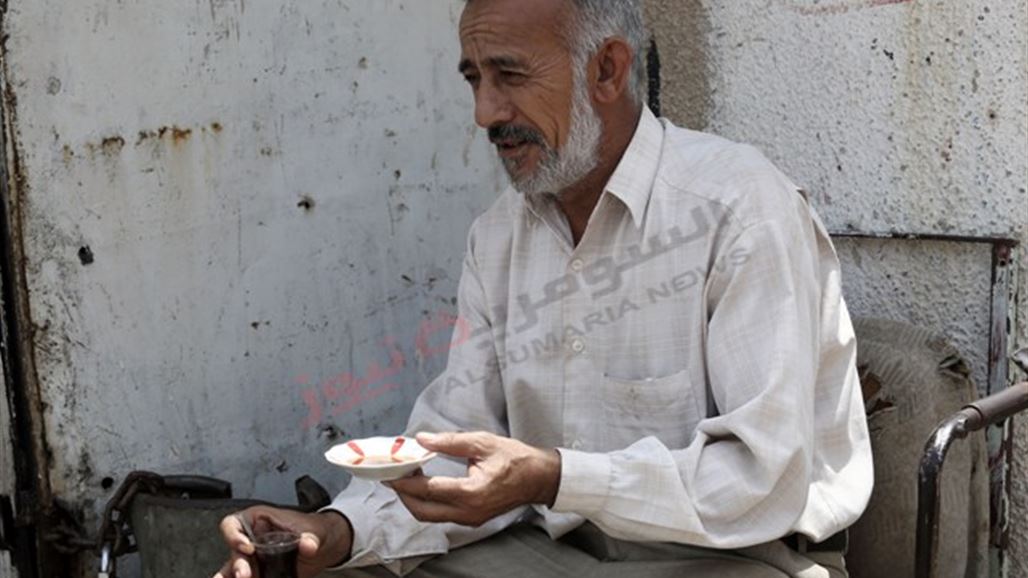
x: 346, y: 391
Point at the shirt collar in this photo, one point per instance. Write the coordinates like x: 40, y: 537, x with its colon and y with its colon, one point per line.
x: 632, y: 181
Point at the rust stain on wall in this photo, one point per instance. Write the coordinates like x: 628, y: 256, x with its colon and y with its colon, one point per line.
x: 178, y: 135
x: 112, y: 145
x: 175, y: 134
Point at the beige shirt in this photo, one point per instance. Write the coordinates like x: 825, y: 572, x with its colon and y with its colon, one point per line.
x: 692, y: 358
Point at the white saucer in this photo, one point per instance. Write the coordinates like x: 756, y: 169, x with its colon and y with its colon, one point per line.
x: 376, y: 458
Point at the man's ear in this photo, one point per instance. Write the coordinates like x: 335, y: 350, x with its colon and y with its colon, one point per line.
x: 613, y: 61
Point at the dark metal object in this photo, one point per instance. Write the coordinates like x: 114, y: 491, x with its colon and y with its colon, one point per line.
x: 989, y: 240
x: 1001, y: 436
x: 164, y: 527
x: 115, y: 532
x: 162, y: 516
x: 973, y: 417
x: 1002, y: 255
x: 310, y: 495
x: 114, y: 529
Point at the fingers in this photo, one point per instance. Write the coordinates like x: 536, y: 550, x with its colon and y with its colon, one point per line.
x: 264, y: 520
x: 242, y: 568
x: 434, y: 489
x: 426, y: 511
x: 463, y: 445
x: 236, y: 567
x: 309, y: 545
x: 239, y: 544
x: 442, y: 500
x: 232, y: 533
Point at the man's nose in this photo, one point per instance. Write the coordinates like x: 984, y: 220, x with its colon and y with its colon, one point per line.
x: 492, y: 107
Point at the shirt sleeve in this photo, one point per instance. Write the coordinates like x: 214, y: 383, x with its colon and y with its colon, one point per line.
x: 467, y: 396
x: 744, y: 477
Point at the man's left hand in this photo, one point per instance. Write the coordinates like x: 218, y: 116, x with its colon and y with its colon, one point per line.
x: 503, y: 474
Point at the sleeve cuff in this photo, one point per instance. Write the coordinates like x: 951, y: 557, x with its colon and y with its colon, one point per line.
x: 361, y: 518
x: 584, y: 482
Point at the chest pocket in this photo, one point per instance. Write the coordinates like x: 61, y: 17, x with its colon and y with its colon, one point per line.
x: 663, y: 407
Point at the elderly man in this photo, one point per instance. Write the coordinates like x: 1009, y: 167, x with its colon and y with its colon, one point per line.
x: 655, y: 361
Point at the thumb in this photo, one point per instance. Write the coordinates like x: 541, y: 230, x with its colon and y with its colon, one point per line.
x: 309, y: 545
x: 462, y: 445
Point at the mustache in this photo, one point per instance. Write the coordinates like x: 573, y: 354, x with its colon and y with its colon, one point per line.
x: 507, y: 132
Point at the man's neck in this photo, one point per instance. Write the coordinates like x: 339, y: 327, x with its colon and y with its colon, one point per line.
x: 578, y: 201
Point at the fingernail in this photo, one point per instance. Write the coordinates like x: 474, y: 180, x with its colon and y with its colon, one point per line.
x: 427, y: 436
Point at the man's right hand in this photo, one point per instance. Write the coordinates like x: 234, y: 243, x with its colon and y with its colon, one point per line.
x: 325, y: 539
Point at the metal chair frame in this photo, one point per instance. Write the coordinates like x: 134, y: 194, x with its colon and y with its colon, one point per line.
x: 973, y: 417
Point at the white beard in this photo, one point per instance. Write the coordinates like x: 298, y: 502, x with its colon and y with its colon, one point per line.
x: 562, y: 168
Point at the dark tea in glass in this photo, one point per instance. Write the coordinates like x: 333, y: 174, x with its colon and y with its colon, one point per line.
x: 277, y: 554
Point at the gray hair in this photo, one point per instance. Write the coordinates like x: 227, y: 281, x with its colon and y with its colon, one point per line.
x: 595, y: 21
x: 598, y: 20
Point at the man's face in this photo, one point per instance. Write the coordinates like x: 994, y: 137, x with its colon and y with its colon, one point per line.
x: 515, y: 56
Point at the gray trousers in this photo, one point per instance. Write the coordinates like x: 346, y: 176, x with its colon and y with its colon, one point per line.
x: 524, y: 551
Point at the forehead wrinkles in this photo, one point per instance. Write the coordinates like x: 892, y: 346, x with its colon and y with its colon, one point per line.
x: 521, y: 25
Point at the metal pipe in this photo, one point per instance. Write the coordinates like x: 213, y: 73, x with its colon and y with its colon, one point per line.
x: 971, y: 418
x: 929, y: 490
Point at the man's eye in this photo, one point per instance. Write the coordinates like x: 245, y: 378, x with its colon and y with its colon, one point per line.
x: 511, y: 75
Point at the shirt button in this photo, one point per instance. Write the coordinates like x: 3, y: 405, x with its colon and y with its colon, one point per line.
x: 577, y: 265
x: 577, y: 345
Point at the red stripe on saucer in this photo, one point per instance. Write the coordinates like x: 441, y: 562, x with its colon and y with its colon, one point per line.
x: 397, y: 445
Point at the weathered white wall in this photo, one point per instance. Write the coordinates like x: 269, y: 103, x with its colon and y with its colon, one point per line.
x: 269, y: 191
x: 901, y: 116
